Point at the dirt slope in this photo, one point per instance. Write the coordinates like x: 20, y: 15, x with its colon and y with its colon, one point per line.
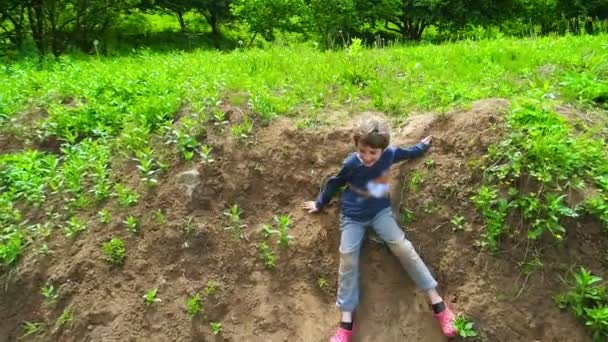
x: 272, y: 176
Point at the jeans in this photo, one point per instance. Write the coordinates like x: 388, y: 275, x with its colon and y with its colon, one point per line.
x: 350, y: 245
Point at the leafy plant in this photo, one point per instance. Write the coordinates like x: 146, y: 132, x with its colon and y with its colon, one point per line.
x: 210, y: 288
x: 219, y: 117
x: 407, y: 216
x: 587, y: 298
x: 234, y: 216
x: 105, y: 216
x: 131, y: 224
x: 193, y: 305
x: 33, y: 328
x: 267, y: 255
x: 243, y: 130
x: 415, y: 181
x: 66, y: 318
x: 49, y: 293
x: 216, y: 327
x: 464, y: 327
x: 159, y: 217
x: 206, y: 154
x: 458, y: 222
x: 189, y: 226
x: 114, y: 251
x: 321, y: 282
x: 150, y: 297
x: 283, y: 225
x: 74, y: 227
x: 147, y: 166
x: 126, y: 197
x: 11, y: 246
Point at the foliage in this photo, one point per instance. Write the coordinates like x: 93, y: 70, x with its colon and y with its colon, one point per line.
x: 194, y: 305
x: 114, y: 251
x: 586, y: 296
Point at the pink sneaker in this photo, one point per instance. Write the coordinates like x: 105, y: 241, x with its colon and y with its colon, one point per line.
x: 342, y: 335
x: 446, y: 321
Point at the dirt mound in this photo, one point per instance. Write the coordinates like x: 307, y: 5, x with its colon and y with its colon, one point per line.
x: 268, y: 176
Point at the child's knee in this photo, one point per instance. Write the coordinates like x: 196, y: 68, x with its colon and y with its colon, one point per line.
x: 348, y: 262
x: 403, y: 247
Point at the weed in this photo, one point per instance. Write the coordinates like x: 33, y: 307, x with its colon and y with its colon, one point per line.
x: 321, y: 283
x: 159, y: 217
x: 458, y: 222
x: 193, y: 305
x: 219, y: 117
x: 131, y: 224
x: 189, y: 226
x: 206, y: 154
x: 104, y: 216
x: 530, y: 266
x: 283, y: 225
x: 126, y: 197
x: 234, y: 217
x: 114, y: 251
x: 49, y: 293
x: 66, y: 318
x: 267, y: 255
x: 464, y: 327
x: 267, y: 231
x: 147, y: 166
x: 243, y: 130
x: 33, y: 328
x: 44, y: 249
x: 407, y: 216
x: 11, y: 246
x: 74, y: 227
x: 150, y: 297
x: 216, y: 327
x: 429, y: 163
x: 588, y: 299
x: 415, y: 181
x: 210, y: 288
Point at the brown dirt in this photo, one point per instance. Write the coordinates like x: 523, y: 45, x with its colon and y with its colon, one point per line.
x: 273, y: 175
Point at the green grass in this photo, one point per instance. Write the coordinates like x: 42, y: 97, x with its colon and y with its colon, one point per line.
x: 105, y: 111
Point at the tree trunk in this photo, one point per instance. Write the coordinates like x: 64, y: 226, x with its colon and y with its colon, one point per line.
x: 34, y: 11
x: 413, y: 28
x: 213, y: 22
x: 252, y: 39
x: 180, y: 18
x: 18, y: 36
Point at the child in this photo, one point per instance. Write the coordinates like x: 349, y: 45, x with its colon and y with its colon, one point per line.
x: 365, y: 202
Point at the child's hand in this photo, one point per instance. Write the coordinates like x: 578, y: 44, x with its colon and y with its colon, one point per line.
x: 427, y: 140
x: 311, y: 206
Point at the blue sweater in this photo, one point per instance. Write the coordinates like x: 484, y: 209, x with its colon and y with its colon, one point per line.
x: 358, y: 203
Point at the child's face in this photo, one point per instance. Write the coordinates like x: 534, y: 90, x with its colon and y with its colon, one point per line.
x: 368, y: 155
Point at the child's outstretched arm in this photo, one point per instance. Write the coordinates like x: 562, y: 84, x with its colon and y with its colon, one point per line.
x: 402, y: 153
x: 333, y: 184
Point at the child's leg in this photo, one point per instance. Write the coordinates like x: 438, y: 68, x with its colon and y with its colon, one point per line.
x: 386, y: 227
x: 348, y: 274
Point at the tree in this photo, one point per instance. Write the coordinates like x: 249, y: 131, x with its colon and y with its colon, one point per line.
x: 12, y: 21
x: 57, y: 23
x: 265, y: 16
x: 179, y: 7
x: 215, y: 11
x: 334, y: 18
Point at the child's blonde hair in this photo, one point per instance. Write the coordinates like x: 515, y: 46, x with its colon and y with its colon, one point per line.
x: 373, y: 131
